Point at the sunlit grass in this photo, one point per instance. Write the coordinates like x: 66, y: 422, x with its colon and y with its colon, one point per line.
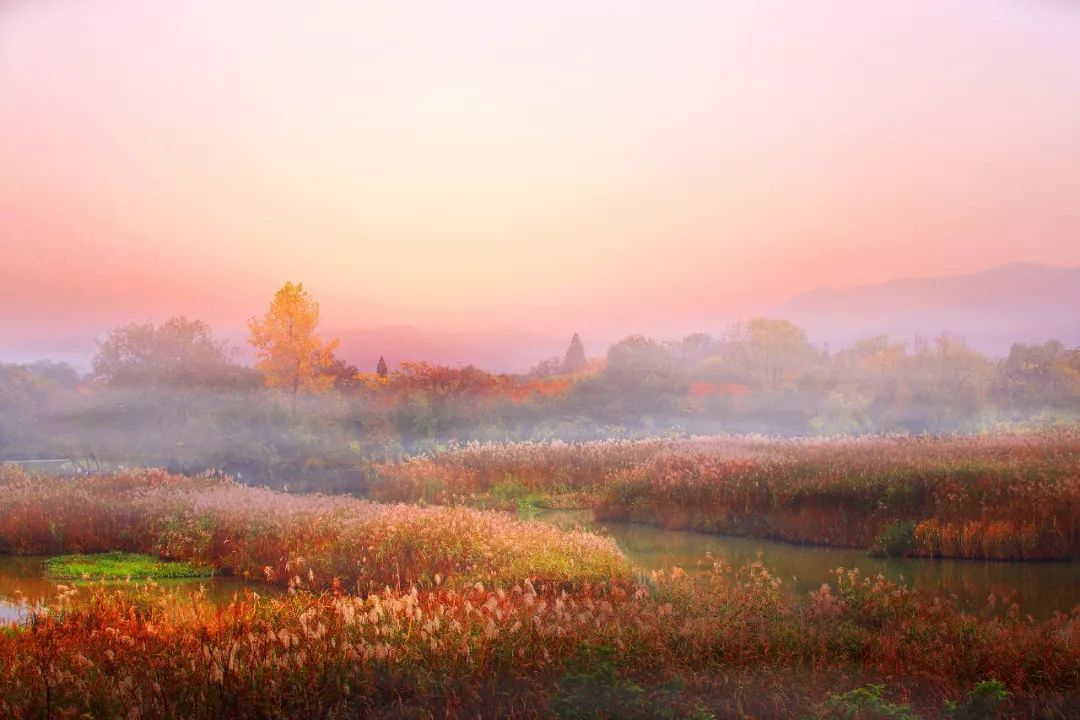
x: 120, y: 566
x: 406, y: 611
x: 725, y: 643
x: 299, y: 541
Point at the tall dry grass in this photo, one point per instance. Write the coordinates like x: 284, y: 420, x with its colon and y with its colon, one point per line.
x: 999, y: 496
x: 307, y: 541
x: 729, y: 643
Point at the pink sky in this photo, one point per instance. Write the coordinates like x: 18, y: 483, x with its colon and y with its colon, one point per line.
x: 605, y: 167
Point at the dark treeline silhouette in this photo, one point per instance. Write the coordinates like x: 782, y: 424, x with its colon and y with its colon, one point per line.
x: 173, y: 396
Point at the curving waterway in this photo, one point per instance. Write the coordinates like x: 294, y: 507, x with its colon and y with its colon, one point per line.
x: 1039, y: 588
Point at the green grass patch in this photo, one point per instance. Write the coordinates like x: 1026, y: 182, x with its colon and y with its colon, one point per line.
x: 118, y: 566
x: 511, y: 494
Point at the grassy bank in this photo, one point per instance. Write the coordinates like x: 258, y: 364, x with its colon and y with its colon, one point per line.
x: 1003, y: 497
x: 310, y: 541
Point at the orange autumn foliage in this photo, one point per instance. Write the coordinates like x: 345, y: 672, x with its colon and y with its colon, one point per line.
x: 291, y: 355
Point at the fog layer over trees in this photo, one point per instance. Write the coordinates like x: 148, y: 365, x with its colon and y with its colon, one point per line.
x: 172, y: 395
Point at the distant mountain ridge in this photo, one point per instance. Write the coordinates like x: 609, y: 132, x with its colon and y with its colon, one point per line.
x: 1021, y: 302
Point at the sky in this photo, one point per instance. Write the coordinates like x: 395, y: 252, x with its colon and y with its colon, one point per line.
x: 602, y: 167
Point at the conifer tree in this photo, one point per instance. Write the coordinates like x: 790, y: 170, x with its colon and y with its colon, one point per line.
x: 575, y: 356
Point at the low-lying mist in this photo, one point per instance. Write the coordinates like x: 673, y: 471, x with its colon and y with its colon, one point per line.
x: 172, y: 396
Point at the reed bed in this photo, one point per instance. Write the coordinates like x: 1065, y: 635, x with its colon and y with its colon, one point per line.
x: 726, y: 643
x: 450, y: 612
x: 303, y: 541
x: 995, y: 496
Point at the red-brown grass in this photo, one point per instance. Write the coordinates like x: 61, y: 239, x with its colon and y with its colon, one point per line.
x: 1013, y: 496
x: 728, y: 643
x: 303, y: 540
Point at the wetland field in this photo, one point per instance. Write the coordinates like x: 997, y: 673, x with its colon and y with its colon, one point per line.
x: 551, y: 580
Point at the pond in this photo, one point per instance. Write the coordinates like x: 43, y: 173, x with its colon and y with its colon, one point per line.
x: 23, y: 579
x: 1039, y: 588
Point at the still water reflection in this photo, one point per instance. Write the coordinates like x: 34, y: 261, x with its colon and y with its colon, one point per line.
x: 1040, y: 588
x: 23, y: 581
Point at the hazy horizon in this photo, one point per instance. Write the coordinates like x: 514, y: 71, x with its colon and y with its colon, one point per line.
x: 607, y: 170
x: 514, y: 348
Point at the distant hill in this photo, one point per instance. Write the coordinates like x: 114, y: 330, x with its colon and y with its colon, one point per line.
x: 990, y: 310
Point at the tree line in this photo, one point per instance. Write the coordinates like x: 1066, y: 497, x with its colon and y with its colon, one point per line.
x: 174, y: 395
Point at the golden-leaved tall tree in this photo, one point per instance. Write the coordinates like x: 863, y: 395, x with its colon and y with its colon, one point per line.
x: 291, y: 354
